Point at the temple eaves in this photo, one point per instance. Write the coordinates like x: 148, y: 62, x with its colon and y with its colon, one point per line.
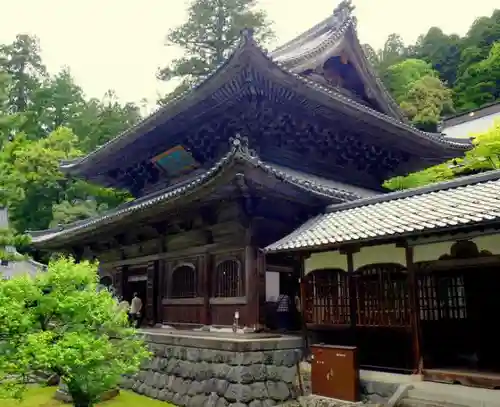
x: 221, y: 172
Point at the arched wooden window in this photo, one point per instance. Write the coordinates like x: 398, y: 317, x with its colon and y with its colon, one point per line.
x: 183, y: 282
x: 327, y: 297
x: 228, y: 279
x: 382, y: 295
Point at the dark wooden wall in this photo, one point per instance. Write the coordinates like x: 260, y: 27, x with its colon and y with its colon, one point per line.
x: 201, y: 268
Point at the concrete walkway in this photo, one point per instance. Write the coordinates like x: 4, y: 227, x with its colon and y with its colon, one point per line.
x: 440, y: 394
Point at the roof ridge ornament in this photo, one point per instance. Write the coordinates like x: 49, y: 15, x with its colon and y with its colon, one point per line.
x: 240, y: 146
x: 345, y: 6
x: 247, y: 33
x: 343, y: 11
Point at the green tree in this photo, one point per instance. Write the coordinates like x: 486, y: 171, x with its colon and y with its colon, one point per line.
x: 484, y: 156
x: 480, y: 83
x: 442, y: 51
x: 427, y: 99
x: 57, y: 102
x: 483, y: 33
x: 101, y: 120
x: 9, y: 241
x: 394, y: 51
x: 9, y: 122
x: 420, y: 93
x: 32, y: 181
x: 22, y: 61
x: 212, y: 29
x: 400, y: 77
x: 60, y: 322
x: 67, y: 212
x: 33, y: 185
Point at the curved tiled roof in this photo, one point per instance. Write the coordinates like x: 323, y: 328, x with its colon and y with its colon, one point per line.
x: 215, y: 78
x: 466, y: 201
x: 327, y: 35
x: 238, y: 152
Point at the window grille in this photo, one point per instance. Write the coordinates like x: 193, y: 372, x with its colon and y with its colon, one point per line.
x: 441, y: 297
x: 183, y: 282
x: 228, y: 279
x: 382, y: 295
x: 327, y: 297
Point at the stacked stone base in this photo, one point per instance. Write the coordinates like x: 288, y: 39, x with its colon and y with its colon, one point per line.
x: 196, y: 371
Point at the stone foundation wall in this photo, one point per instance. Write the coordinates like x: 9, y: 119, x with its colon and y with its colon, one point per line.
x: 197, y: 371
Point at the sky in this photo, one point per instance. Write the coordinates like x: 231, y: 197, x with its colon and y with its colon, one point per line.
x: 119, y: 44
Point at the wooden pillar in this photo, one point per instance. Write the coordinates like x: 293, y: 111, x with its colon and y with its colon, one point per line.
x: 414, y: 311
x: 301, y: 258
x: 205, y: 289
x: 261, y: 287
x: 150, y: 293
x: 161, y: 268
x: 353, y: 304
x: 160, y: 290
x: 252, y: 255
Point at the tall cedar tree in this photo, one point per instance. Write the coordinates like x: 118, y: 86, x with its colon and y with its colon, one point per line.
x: 212, y: 29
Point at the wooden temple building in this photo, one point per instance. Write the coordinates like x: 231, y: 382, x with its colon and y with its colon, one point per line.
x: 231, y: 181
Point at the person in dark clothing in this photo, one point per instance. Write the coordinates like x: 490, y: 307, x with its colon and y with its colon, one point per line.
x: 283, y: 312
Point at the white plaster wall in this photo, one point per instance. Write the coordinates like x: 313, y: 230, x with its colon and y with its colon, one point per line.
x: 387, y: 253
x: 324, y: 260
x: 489, y: 242
x: 433, y: 251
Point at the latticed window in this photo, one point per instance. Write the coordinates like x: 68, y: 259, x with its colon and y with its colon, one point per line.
x: 228, y: 279
x: 441, y: 297
x: 183, y: 282
x: 327, y: 297
x: 382, y: 295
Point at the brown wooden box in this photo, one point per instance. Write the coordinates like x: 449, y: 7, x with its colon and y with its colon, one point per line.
x: 335, y: 372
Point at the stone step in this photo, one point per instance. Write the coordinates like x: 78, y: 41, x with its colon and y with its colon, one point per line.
x: 454, y: 395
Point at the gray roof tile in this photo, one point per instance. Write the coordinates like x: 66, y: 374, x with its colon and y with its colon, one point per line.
x: 465, y: 201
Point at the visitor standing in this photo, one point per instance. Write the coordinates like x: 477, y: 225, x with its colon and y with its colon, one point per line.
x: 135, y: 309
x: 283, y: 312
x: 124, y: 305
